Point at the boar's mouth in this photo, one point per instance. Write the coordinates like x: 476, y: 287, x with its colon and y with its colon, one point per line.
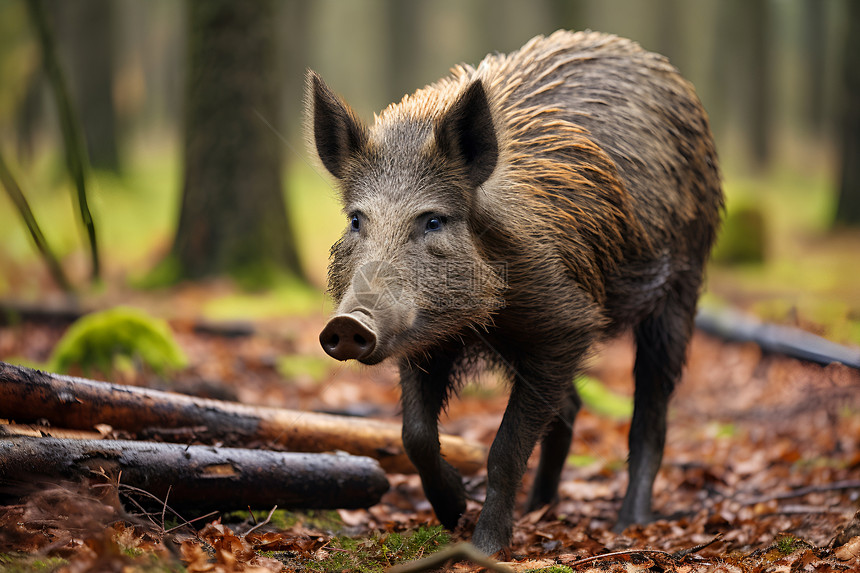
x: 349, y: 337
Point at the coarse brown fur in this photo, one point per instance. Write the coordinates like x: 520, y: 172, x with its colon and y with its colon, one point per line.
x: 576, y: 190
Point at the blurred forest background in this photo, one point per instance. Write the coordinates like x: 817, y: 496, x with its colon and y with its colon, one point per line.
x: 192, y: 116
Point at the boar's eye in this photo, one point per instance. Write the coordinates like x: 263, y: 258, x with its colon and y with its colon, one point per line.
x: 434, y: 223
x: 354, y: 222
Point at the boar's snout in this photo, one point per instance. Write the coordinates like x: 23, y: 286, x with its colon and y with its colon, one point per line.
x: 346, y: 337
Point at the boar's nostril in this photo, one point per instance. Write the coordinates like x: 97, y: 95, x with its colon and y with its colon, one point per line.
x: 345, y: 338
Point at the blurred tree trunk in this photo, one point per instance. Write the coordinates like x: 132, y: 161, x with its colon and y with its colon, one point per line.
x: 668, y: 27
x: 84, y: 34
x: 404, y: 31
x: 233, y: 217
x: 848, y: 207
x: 743, y: 77
x: 719, y: 111
x: 814, y: 48
x: 567, y: 14
x: 294, y: 19
x: 759, y: 94
x: 77, y: 162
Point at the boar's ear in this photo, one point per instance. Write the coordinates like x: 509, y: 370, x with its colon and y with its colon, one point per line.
x: 337, y: 131
x: 466, y: 133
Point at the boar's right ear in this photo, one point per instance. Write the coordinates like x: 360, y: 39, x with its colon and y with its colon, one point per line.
x: 466, y: 133
x: 338, y: 133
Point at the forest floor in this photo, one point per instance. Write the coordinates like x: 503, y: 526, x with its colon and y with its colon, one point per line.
x: 762, y: 466
x: 762, y: 459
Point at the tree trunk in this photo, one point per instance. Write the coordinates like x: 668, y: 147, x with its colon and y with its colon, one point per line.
x: 404, y: 36
x: 569, y: 14
x: 294, y: 46
x: 742, y: 78
x: 814, y: 82
x: 77, y: 162
x: 84, y: 29
x: 233, y: 217
x: 848, y: 207
x: 775, y: 339
x: 202, y: 478
x: 668, y: 24
x: 20, y: 201
x: 759, y: 81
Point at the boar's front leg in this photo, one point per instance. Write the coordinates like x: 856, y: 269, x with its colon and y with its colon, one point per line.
x: 554, y: 448
x: 425, y: 388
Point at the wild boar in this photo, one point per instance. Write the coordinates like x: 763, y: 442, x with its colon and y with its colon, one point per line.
x: 514, y: 214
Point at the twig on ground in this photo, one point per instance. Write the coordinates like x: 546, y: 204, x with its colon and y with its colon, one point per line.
x: 579, y: 562
x: 801, y: 492
x: 696, y: 548
x: 148, y: 514
x: 805, y: 510
x: 164, y: 505
x: 458, y: 552
x: 188, y: 522
x: 261, y: 524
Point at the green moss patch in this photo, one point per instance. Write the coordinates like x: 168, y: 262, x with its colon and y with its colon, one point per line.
x: 119, y: 338
x: 379, y: 552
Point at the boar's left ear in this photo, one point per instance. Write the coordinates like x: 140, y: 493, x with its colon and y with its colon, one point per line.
x: 466, y: 133
x: 338, y: 133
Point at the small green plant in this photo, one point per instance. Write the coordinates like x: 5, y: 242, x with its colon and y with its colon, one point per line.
x: 602, y: 401
x: 20, y: 563
x: 582, y: 460
x: 420, y: 543
x: 786, y: 544
x: 118, y: 338
x: 377, y: 553
x: 132, y: 552
x: 325, y: 519
x: 726, y: 430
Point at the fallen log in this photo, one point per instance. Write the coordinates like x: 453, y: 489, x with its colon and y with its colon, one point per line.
x: 200, y: 477
x: 57, y: 311
x: 735, y: 326
x: 28, y: 395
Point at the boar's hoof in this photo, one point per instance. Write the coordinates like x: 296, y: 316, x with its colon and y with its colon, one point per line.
x: 345, y: 337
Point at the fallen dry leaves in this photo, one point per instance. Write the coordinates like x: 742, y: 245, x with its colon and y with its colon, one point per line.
x: 761, y: 471
x: 230, y: 552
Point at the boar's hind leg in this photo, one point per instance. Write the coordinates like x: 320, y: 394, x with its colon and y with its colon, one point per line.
x: 661, y: 344
x: 536, y: 396
x: 554, y: 448
x: 424, y: 391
